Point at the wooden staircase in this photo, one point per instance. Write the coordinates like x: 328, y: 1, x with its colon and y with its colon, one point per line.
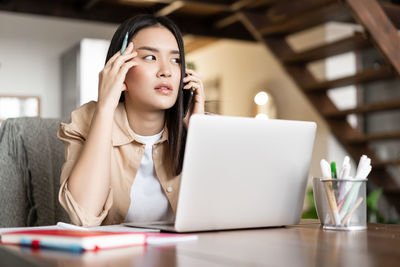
x: 380, y: 21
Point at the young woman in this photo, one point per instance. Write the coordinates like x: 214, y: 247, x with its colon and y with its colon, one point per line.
x: 124, y: 153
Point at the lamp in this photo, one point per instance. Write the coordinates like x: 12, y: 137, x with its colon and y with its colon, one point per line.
x: 265, y: 107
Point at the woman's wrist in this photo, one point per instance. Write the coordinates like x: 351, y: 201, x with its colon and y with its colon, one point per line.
x: 106, y: 106
x: 105, y: 110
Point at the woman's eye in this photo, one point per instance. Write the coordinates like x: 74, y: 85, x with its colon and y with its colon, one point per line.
x: 176, y: 60
x: 149, y: 57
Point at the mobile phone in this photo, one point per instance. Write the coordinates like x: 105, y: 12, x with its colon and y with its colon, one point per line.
x: 187, y: 100
x: 187, y: 93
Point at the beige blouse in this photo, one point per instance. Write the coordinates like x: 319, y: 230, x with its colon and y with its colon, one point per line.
x: 127, y: 152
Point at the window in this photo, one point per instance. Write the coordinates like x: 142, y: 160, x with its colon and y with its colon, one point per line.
x: 19, y: 106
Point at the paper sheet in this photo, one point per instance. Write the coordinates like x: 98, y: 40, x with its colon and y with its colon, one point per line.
x: 106, y: 228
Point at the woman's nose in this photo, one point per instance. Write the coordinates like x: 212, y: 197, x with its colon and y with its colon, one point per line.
x: 164, y: 70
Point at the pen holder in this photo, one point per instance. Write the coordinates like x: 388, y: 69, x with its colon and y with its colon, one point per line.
x: 341, y: 203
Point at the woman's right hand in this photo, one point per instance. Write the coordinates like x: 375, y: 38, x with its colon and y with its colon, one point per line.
x: 112, y: 77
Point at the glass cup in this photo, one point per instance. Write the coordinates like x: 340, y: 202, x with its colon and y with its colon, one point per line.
x: 341, y: 203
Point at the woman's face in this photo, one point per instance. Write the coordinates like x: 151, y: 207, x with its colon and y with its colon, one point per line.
x: 154, y: 83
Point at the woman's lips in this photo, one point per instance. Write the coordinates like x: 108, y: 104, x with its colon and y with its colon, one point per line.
x: 164, y: 89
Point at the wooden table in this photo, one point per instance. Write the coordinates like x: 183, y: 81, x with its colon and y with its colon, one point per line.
x: 306, y: 244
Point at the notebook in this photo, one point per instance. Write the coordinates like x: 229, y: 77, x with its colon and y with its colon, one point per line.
x: 80, y: 241
x: 241, y: 173
x: 72, y: 240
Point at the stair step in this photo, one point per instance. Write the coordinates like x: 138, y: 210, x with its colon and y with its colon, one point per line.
x: 369, y: 75
x: 373, y: 137
x: 365, y: 108
x: 313, y: 17
x: 374, y: 19
x: 282, y: 10
x: 393, y: 12
x: 353, y: 43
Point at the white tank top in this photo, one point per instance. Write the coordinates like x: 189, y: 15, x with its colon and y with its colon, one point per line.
x: 148, y: 200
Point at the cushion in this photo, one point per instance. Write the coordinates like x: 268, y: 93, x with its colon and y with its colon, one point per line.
x: 35, y: 157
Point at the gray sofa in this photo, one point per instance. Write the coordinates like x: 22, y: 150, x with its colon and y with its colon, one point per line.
x: 31, y: 158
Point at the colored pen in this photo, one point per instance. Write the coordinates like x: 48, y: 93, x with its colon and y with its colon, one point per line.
x: 363, y: 169
x: 353, y: 193
x: 40, y: 244
x: 344, y: 187
x: 333, y: 169
x: 124, y: 43
x: 334, y: 174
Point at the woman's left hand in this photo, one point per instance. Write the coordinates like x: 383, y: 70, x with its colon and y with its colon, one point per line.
x: 193, y: 81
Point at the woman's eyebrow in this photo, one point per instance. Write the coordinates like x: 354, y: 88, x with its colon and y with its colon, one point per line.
x: 152, y: 49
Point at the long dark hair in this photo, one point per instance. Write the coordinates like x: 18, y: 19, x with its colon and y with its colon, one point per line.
x: 174, y: 115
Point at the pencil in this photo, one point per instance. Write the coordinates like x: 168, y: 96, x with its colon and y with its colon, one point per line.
x: 326, y: 172
x: 353, y: 209
x: 124, y: 43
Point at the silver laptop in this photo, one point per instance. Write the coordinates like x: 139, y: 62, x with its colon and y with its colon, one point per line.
x: 242, y: 173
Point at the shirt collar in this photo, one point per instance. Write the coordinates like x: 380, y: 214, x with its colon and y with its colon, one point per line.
x: 122, y: 133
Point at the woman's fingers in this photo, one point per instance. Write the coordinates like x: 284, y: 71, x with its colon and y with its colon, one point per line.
x: 112, y: 77
x: 125, y: 68
x: 110, y: 62
x: 118, y: 57
x: 192, y: 85
x: 119, y: 63
x: 112, y: 59
x: 194, y: 81
x: 192, y: 77
x: 128, y: 54
x: 191, y: 72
